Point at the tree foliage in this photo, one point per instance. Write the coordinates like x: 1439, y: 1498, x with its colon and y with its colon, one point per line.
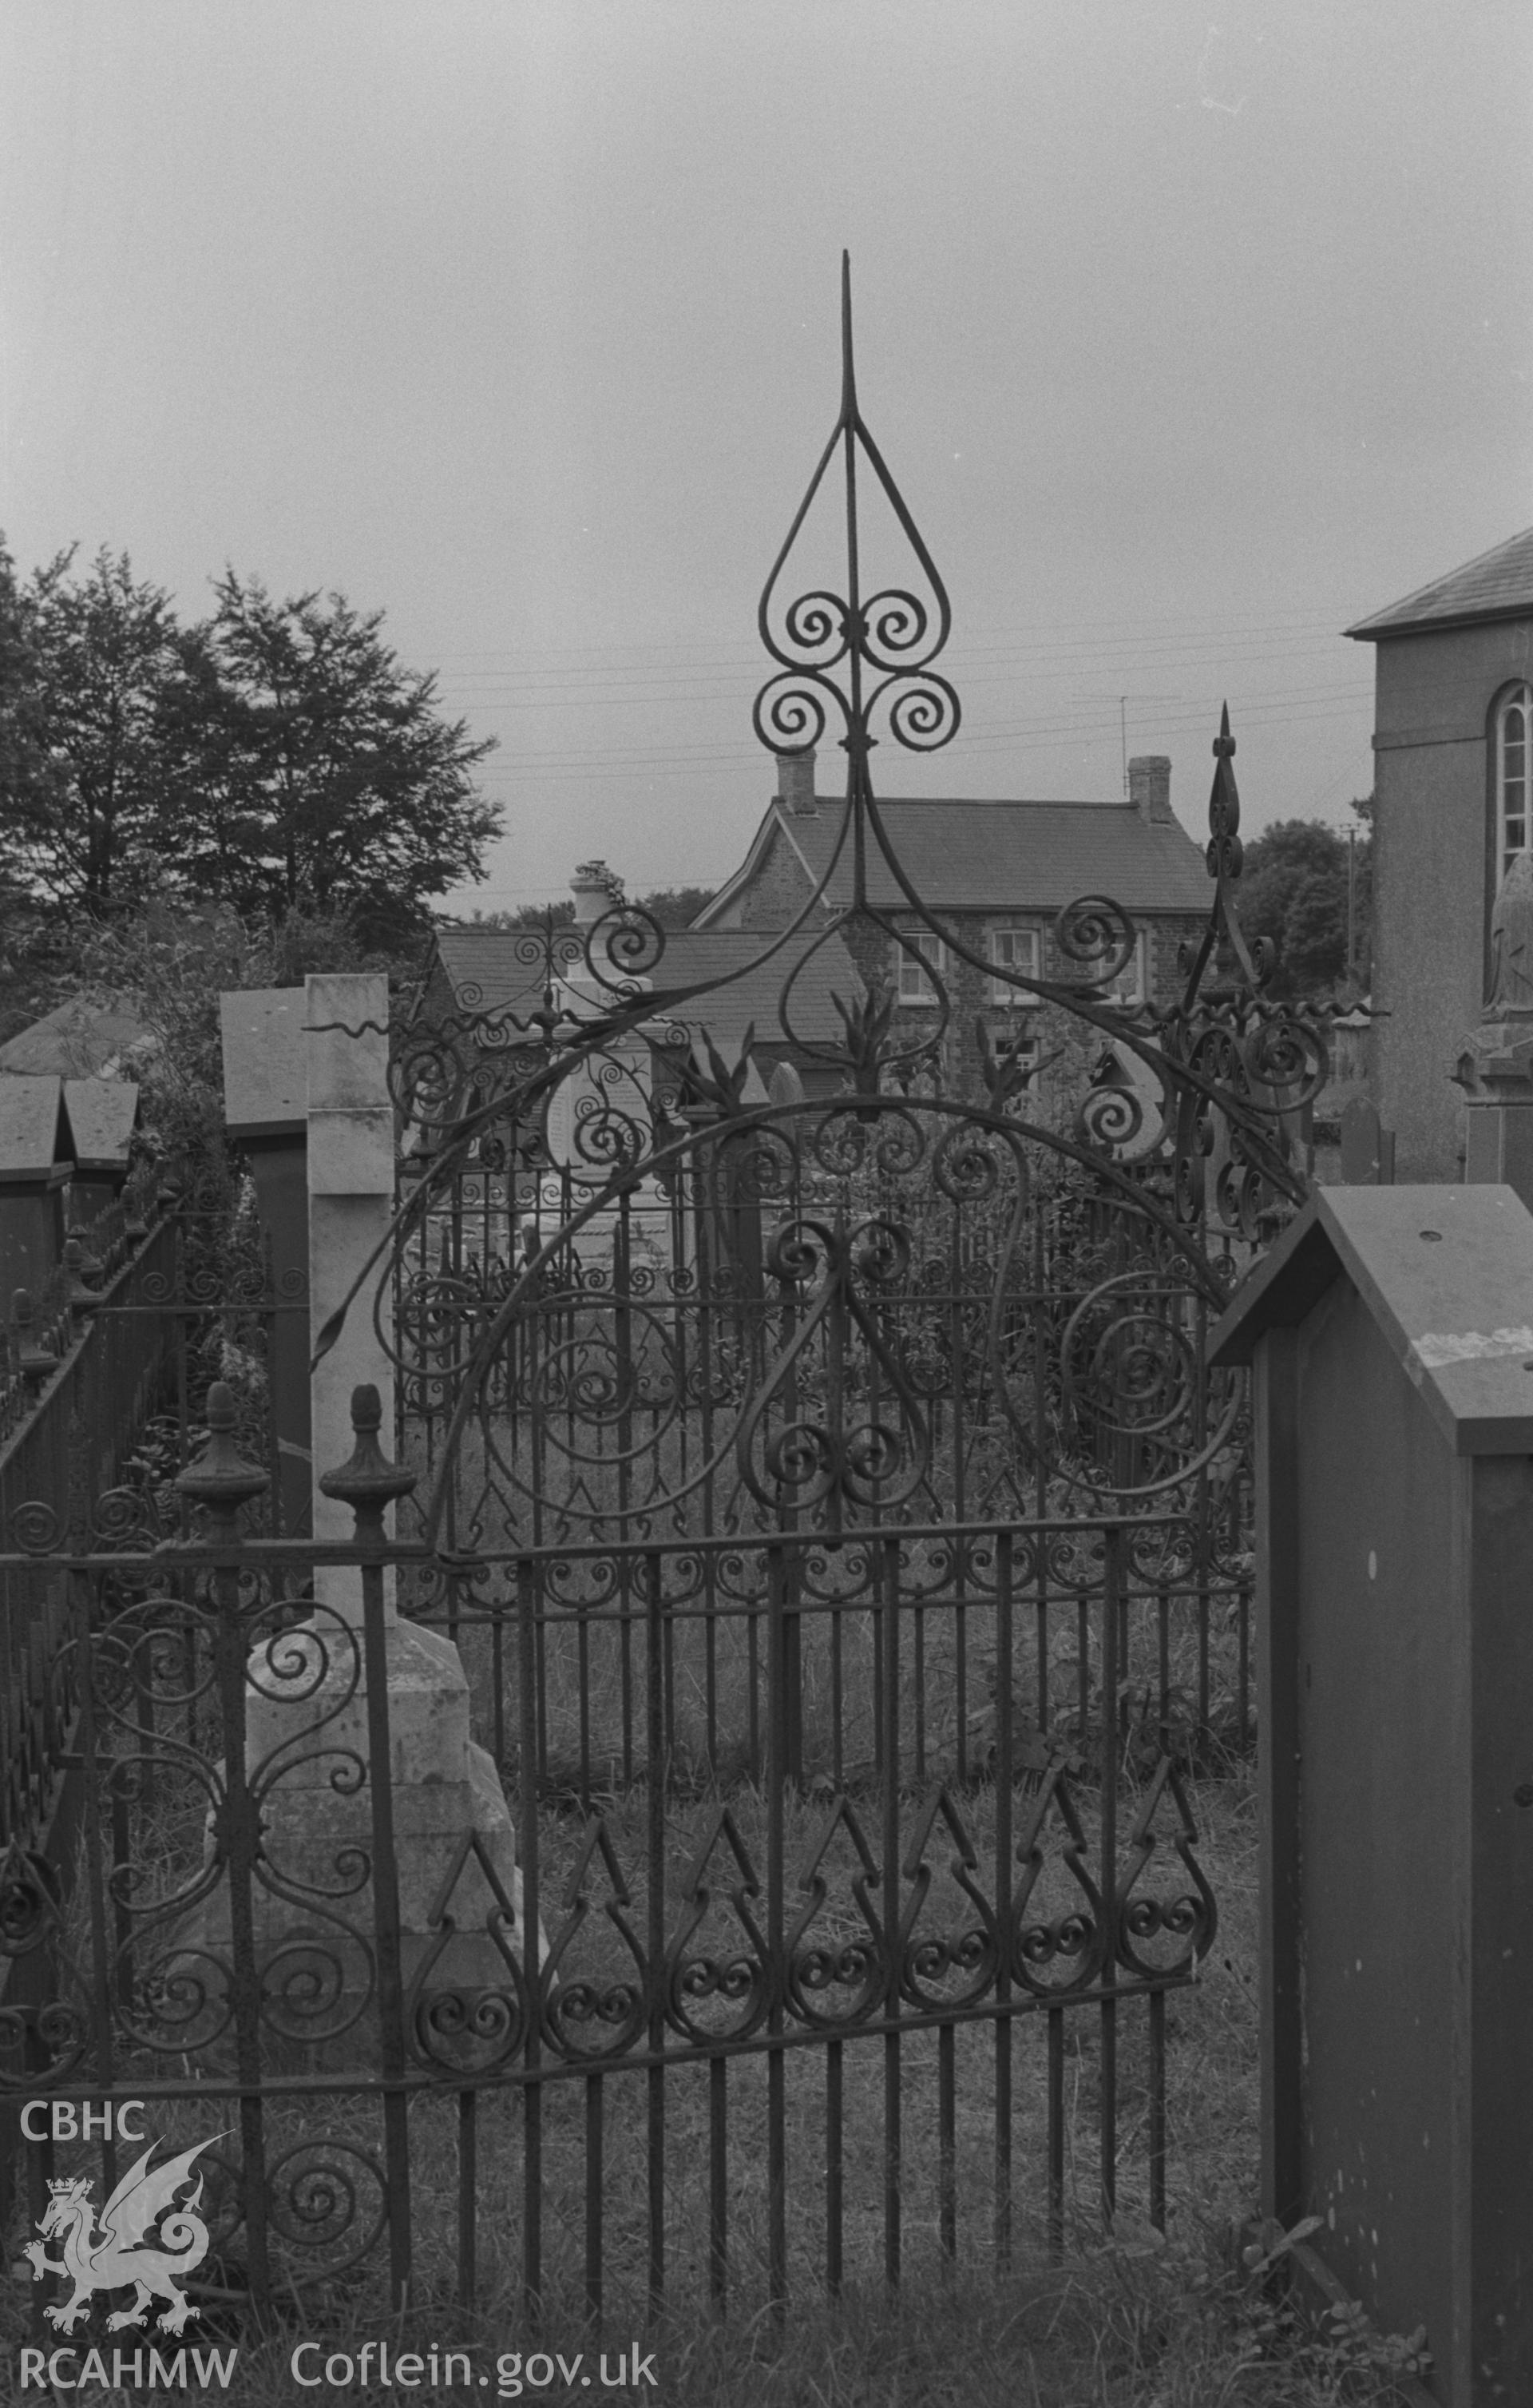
x: 106, y: 657
x: 336, y: 781
x: 1293, y: 890
x: 274, y: 758
x: 673, y: 906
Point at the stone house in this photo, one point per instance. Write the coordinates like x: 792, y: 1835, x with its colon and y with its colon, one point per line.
x: 996, y: 873
x: 1453, y: 809
x: 482, y: 970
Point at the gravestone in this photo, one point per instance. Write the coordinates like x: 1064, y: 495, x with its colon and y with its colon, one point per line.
x: 1367, y: 1149
x: 306, y: 1706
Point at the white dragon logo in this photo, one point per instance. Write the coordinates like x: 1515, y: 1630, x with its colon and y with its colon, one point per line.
x: 115, y: 2256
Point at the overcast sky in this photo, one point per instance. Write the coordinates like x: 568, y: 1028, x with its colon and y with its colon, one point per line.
x: 1189, y: 338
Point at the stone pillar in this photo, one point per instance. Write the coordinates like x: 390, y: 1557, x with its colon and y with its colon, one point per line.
x: 350, y: 1204
x: 265, y: 1107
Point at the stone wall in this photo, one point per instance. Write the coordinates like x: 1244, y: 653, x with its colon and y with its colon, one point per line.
x: 970, y: 991
x: 1433, y: 877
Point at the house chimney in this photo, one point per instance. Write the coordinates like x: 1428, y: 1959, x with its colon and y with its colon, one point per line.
x: 796, y: 781
x: 594, y: 889
x: 1150, y: 787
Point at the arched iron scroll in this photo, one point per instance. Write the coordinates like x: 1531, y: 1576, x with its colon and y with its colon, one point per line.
x: 684, y: 1286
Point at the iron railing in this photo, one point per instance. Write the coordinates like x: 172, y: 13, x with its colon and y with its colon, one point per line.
x: 778, y: 2029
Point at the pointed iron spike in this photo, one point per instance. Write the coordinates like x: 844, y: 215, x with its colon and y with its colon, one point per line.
x: 849, y: 382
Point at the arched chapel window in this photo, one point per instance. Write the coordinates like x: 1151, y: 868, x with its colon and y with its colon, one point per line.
x: 1514, y: 770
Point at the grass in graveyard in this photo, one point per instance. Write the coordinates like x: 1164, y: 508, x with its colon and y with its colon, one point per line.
x: 1125, y: 2322
x: 1130, y: 2322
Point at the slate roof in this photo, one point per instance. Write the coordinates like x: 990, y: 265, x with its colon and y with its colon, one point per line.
x: 76, y: 1040
x: 481, y: 968
x: 1013, y: 855
x: 34, y: 1135
x: 103, y: 1113
x: 728, y: 1012
x: 1496, y: 585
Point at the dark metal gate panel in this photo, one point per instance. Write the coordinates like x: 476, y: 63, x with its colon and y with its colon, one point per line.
x: 845, y: 1540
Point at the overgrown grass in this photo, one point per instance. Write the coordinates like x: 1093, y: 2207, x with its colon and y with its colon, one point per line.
x: 1128, y: 2320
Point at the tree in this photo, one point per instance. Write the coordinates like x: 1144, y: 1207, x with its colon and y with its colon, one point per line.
x: 102, y: 657
x: 673, y: 906
x: 276, y: 759
x: 676, y: 907
x: 331, y: 781
x: 25, y: 780
x: 1294, y: 890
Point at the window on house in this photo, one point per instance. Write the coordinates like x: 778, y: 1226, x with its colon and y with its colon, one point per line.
x: 1013, y: 948
x: 915, y: 969
x: 1513, y: 763
x: 1021, y: 1046
x: 1129, y: 986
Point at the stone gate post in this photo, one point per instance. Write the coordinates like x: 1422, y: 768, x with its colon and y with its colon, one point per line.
x: 1391, y: 1336
x: 350, y: 1201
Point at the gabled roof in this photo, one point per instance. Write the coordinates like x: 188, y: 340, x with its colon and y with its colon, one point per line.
x: 1435, y: 1267
x: 482, y: 969
x: 34, y: 1131
x: 1498, y: 584
x: 103, y: 1115
x: 752, y: 998
x: 1022, y: 856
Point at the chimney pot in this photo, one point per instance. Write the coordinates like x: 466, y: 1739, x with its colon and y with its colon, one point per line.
x: 796, y: 781
x: 592, y: 887
x: 1150, y: 787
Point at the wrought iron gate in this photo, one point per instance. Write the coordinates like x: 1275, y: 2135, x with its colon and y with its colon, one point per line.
x: 844, y: 1537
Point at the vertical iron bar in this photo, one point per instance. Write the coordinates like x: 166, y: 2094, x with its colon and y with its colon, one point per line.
x: 778, y: 1722
x: 467, y: 2186
x: 718, y: 2183
x: 243, y: 1848
x: 532, y: 1971
x: 1005, y: 1792
x: 891, y: 1888
x: 1111, y: 1606
x: 391, y: 1983
x: 1157, y: 2109
x: 1056, y: 2133
x: 947, y: 2140
x: 93, y: 1760
x: 838, y: 1695
x: 594, y: 2186
x: 835, y: 2169
x: 655, y: 2077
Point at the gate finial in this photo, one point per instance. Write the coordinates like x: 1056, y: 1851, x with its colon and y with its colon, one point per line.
x: 849, y: 380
